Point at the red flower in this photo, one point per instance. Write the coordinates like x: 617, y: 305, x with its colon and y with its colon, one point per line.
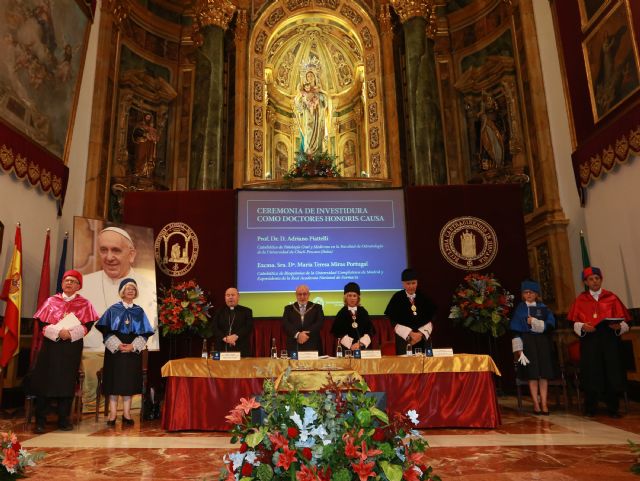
x: 16, y: 446
x: 363, y: 470
x: 244, y: 447
x: 247, y: 469
x: 306, y: 452
x: 10, y: 458
x: 287, y: 456
x: 292, y: 432
x: 349, y: 448
x: 278, y: 440
x: 411, y: 474
x: 235, y: 417
x: 247, y: 405
x: 364, y: 453
x: 378, y: 435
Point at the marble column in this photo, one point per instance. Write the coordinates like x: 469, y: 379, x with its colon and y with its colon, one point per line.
x: 206, y: 166
x: 391, y: 106
x: 427, y: 160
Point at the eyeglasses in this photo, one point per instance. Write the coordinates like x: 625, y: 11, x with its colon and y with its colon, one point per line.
x: 71, y: 281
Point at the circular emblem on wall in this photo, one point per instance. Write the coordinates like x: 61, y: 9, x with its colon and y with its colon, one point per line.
x: 468, y: 243
x: 176, y: 249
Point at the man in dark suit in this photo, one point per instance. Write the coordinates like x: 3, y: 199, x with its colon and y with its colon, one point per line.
x: 302, y: 322
x: 233, y: 325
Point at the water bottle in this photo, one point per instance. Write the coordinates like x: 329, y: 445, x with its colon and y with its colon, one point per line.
x: 274, y: 349
x: 339, y: 349
x: 409, y: 350
x: 205, y: 351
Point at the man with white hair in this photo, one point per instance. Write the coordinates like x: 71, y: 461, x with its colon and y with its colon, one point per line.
x: 117, y: 254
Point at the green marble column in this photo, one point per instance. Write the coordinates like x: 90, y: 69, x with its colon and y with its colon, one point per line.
x: 427, y: 160
x: 206, y: 131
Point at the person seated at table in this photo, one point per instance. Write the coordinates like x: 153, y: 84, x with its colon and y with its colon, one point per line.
x: 233, y: 325
x: 352, y: 325
x: 125, y: 328
x: 302, y: 322
x: 411, y: 313
x: 531, y: 323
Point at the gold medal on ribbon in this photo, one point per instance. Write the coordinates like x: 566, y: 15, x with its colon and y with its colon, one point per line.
x: 354, y: 324
x: 414, y: 309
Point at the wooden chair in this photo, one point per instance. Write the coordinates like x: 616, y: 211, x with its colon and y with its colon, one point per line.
x: 100, y: 391
x: 76, y: 409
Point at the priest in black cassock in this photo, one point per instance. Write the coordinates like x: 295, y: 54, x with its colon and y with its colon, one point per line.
x: 411, y: 314
x: 233, y: 325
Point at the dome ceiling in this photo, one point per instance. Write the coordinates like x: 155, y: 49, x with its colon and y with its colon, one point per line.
x: 321, y: 45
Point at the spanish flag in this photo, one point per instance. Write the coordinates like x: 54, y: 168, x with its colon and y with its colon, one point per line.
x: 12, y: 293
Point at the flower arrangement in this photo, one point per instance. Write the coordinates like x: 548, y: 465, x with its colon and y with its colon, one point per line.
x: 482, y: 304
x: 320, y: 164
x: 335, y: 434
x: 184, y: 307
x: 14, y: 458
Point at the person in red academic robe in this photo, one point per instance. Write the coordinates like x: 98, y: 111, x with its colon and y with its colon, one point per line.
x: 600, y: 318
x: 56, y: 368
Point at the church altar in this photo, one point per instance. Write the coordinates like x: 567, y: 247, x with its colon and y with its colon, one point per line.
x: 455, y: 391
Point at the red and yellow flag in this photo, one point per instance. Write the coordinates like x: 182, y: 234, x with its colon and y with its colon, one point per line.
x: 12, y: 293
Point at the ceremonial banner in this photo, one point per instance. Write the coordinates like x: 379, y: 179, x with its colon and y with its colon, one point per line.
x: 12, y: 294
x: 43, y: 295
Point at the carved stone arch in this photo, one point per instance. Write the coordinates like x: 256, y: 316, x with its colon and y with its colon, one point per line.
x: 347, y: 42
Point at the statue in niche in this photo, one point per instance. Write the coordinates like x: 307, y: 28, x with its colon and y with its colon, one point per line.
x: 311, y: 107
x: 145, y: 139
x: 491, y: 148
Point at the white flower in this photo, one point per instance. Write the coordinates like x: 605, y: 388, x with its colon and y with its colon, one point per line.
x: 236, y: 458
x: 413, y: 416
x: 250, y: 457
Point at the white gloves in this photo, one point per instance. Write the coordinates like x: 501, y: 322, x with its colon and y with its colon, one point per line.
x: 537, y: 325
x: 523, y: 359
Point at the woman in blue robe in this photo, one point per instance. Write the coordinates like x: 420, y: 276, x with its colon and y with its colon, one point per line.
x: 125, y: 328
x: 531, y: 323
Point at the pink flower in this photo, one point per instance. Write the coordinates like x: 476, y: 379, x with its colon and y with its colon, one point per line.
x: 247, y: 405
x: 235, y: 416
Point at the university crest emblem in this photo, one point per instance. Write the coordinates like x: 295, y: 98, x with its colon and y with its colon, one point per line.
x: 176, y: 249
x: 468, y: 243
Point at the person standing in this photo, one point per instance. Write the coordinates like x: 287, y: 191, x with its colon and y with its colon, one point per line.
x: 233, y: 325
x: 411, y: 313
x: 600, y: 318
x: 352, y: 325
x: 531, y: 323
x: 56, y: 368
x: 302, y: 322
x: 125, y: 328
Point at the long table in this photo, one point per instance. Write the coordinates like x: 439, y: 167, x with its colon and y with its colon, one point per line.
x: 453, y: 391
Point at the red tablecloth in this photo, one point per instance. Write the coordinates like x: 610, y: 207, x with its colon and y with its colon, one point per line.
x: 458, y: 394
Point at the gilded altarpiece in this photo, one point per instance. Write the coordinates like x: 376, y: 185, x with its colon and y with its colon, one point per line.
x: 328, y: 47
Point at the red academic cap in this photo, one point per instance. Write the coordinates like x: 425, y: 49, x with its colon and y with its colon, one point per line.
x: 73, y: 273
x: 591, y: 271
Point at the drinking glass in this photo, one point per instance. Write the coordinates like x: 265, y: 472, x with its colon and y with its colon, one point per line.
x: 418, y: 351
x: 348, y: 353
x: 284, y: 354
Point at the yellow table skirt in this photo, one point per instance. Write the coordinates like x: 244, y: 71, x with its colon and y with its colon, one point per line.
x: 272, y: 368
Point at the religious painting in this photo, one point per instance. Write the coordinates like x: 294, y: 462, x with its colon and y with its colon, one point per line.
x: 104, y: 258
x: 590, y: 10
x: 43, y: 47
x: 611, y: 60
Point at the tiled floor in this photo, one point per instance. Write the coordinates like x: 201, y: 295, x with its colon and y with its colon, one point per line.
x: 559, y: 447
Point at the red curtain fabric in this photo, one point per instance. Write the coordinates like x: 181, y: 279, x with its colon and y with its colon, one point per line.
x: 441, y: 399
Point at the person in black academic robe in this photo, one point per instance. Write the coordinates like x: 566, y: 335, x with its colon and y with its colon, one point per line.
x: 233, y: 326
x: 411, y: 314
x: 125, y: 328
x: 302, y: 322
x: 55, y: 372
x: 352, y: 325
